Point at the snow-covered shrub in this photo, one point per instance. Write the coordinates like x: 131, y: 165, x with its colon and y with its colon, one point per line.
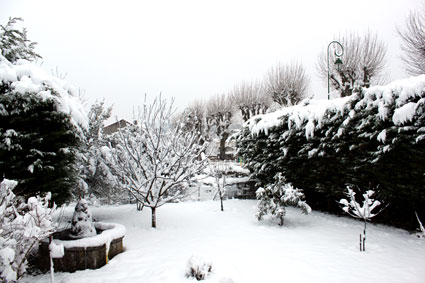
x: 275, y: 197
x: 374, y: 137
x: 22, y: 226
x: 82, y: 223
x: 354, y: 209
x: 198, y: 268
x: 364, y: 212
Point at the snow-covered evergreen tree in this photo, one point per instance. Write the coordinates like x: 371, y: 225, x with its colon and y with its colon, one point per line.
x: 14, y: 44
x: 94, y: 171
x: 155, y: 158
x: 22, y: 226
x: 41, y: 119
x: 274, y: 198
x: 82, y: 223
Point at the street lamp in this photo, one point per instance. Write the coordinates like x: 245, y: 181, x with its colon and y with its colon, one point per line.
x: 338, y: 62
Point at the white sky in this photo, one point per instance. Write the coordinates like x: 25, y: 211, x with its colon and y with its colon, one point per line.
x: 193, y: 49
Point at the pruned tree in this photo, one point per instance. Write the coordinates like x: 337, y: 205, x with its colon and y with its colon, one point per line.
x: 413, y: 43
x: 363, y: 63
x: 219, y: 118
x: 193, y: 118
x: 156, y: 158
x: 287, y: 84
x: 251, y: 99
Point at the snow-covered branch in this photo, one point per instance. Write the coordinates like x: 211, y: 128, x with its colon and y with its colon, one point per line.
x: 364, y: 211
x: 22, y: 226
x: 155, y: 158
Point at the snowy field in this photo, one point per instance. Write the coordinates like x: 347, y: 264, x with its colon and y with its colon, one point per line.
x: 309, y: 248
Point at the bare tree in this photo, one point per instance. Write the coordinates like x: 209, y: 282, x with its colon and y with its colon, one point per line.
x: 413, y: 43
x: 218, y: 116
x: 251, y: 99
x: 193, y: 118
x: 156, y: 158
x: 363, y: 62
x: 287, y: 84
x: 219, y: 170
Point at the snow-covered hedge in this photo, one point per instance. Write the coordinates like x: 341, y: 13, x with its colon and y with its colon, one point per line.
x: 374, y: 137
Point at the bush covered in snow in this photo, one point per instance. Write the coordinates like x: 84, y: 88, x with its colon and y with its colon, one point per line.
x: 275, y: 197
x: 363, y: 211
x: 198, y: 268
x: 374, y: 137
x: 22, y: 227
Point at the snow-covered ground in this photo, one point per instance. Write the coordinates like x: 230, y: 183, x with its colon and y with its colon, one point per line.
x: 309, y: 248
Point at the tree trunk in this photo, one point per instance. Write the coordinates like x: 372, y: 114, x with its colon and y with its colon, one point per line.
x: 223, y: 139
x: 221, y: 200
x: 153, y: 217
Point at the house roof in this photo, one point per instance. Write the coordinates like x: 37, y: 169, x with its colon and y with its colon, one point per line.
x: 112, y: 128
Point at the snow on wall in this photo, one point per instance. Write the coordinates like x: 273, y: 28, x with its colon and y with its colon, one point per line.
x: 312, y: 112
x: 110, y: 232
x: 25, y: 77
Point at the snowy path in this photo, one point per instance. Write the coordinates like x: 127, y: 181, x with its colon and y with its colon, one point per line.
x: 312, y: 248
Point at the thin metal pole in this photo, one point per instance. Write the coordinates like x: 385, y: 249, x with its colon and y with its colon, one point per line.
x: 336, y: 54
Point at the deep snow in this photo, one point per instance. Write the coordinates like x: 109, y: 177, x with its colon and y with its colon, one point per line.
x: 309, y: 248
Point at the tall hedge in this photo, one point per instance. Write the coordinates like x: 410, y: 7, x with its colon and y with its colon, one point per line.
x: 372, y: 139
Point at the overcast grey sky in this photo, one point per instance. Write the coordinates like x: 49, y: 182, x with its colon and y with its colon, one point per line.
x: 192, y: 49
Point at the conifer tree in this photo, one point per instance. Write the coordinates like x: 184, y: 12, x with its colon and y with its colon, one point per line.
x: 274, y: 198
x: 38, y: 137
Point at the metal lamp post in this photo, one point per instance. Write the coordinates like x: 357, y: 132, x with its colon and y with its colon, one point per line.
x: 337, y: 62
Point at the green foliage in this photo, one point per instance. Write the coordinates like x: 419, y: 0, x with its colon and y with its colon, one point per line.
x: 14, y: 44
x: 93, y: 168
x: 37, y: 146
x: 354, y: 145
x: 275, y: 197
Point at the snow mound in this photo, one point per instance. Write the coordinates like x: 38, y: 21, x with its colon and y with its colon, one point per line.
x: 198, y: 268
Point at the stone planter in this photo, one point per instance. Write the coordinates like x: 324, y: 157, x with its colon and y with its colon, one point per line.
x: 86, y: 253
